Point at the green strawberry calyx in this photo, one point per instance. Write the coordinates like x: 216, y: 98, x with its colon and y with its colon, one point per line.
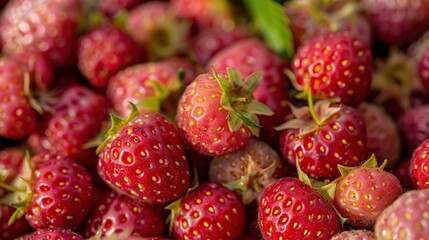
x: 237, y: 99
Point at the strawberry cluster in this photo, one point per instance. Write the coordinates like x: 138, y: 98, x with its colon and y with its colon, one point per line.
x: 214, y: 119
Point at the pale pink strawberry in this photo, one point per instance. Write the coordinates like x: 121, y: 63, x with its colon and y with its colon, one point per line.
x: 355, y: 234
x: 55, y: 233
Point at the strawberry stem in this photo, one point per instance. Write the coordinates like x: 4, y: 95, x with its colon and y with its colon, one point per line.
x: 311, y: 107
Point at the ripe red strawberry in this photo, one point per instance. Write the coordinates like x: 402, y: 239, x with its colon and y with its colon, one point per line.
x: 17, y: 117
x: 290, y: 209
x: 419, y: 165
x: 355, y: 234
x: 122, y: 217
x: 55, y: 233
x: 333, y: 135
x: 398, y: 22
x: 209, y: 211
x: 217, y: 113
x: 46, y: 26
x: 364, y: 192
x: 143, y: 158
x: 406, y: 218
x: 158, y: 29
x: 103, y: 51
x: 62, y: 195
x: 382, y: 132
x: 10, y: 231
x: 251, y: 55
x: 207, y: 43
x: 151, y: 86
x: 77, y: 119
x: 414, y: 127
x: 312, y: 18
x: 248, y: 170
x: 335, y: 65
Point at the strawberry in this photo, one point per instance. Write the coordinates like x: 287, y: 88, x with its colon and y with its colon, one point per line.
x: 17, y: 117
x: 209, y: 211
x: 143, y: 158
x: 62, y: 195
x: 103, y: 51
x: 79, y: 113
x: 112, y: 7
x: 151, y: 86
x: 398, y: 22
x: 46, y: 26
x: 248, y: 170
x: 290, y: 209
x: 405, y: 218
x: 419, y: 165
x: 55, y: 233
x: 95, y: 218
x: 364, y: 192
x: 423, y: 68
x: 10, y: 231
x: 413, y: 125
x: 217, y: 113
x: 124, y: 217
x: 403, y: 173
x: 251, y: 55
x: 158, y: 29
x: 355, y: 234
x: 321, y: 137
x: 334, y: 65
x: 382, y: 133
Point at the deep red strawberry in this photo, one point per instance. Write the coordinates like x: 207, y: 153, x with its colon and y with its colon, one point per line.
x: 334, y: 65
x: 355, y: 234
x: 323, y: 137
x: 419, y: 165
x: 364, y: 192
x: 151, y: 86
x: 403, y: 173
x: 414, y: 127
x: 143, y: 158
x: 158, y: 29
x: 103, y: 51
x: 46, y: 26
x: 62, y: 195
x: 398, y: 22
x: 290, y: 209
x: 210, y: 211
x: 384, y: 140
x: 128, y: 217
x: 79, y: 113
x: 217, y: 113
x: 55, y: 233
x: 251, y: 55
x: 406, y: 218
x: 248, y: 170
x: 10, y: 231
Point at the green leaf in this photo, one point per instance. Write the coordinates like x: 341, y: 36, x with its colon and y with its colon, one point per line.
x: 259, y: 108
x: 271, y: 21
x: 234, y: 76
x: 252, y: 81
x: 234, y: 121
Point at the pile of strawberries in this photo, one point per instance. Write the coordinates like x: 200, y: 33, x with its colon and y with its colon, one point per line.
x: 180, y: 119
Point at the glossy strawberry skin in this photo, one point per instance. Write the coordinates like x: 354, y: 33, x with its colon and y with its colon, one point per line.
x: 291, y: 209
x: 134, y: 84
x: 250, y: 55
x: 419, y: 166
x: 405, y: 218
x: 18, y: 227
x: 95, y: 218
x: 398, y: 22
x: 335, y: 65
x: 210, y: 211
x: 364, y: 193
x: 340, y: 140
x: 104, y: 51
x: 60, y: 35
x: 63, y: 193
x: 146, y: 160
x: 202, y: 121
x: 55, y: 233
